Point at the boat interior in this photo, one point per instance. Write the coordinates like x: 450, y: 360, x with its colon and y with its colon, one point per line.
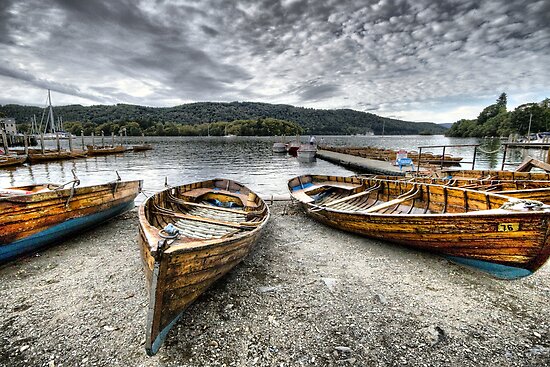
x: 214, y: 209
x: 361, y: 195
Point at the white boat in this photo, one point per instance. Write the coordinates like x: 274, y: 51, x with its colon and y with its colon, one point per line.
x: 279, y: 148
x: 307, y: 152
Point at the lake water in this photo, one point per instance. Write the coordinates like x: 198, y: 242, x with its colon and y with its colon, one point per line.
x: 248, y: 160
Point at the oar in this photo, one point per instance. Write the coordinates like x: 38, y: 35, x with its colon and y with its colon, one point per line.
x: 359, y: 194
x: 392, y: 202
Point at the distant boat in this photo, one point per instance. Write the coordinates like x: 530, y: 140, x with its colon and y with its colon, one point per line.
x: 35, y: 216
x: 306, y: 153
x: 142, y: 147
x: 95, y: 150
x: 11, y: 160
x: 279, y: 148
x: 56, y: 156
x: 190, y: 236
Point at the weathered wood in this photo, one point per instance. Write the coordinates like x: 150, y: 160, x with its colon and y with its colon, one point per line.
x: 475, y: 227
x: 39, y: 216
x: 213, y: 241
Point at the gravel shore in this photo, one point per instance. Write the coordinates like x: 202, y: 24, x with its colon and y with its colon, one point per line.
x: 307, y: 295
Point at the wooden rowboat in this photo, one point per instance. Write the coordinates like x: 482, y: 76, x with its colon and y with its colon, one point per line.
x: 190, y: 236
x: 32, y: 217
x: 55, y: 156
x: 11, y: 160
x: 93, y: 151
x: 504, y: 236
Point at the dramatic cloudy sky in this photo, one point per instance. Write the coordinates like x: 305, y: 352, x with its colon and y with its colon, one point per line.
x: 420, y: 60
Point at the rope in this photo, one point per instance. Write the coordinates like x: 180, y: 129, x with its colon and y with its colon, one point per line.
x: 489, y: 152
x: 521, y: 204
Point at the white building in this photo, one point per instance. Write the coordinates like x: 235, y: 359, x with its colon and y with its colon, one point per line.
x: 8, y: 125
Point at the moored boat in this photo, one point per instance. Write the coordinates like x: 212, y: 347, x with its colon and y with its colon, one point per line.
x: 306, y: 153
x: 190, y: 236
x: 34, y: 216
x: 94, y: 150
x: 11, y: 160
x: 142, y: 147
x: 504, y: 236
x: 279, y: 147
x: 56, y: 156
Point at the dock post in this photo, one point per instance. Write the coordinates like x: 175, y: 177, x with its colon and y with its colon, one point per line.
x: 504, y: 156
x: 26, y: 142
x: 57, y: 142
x: 113, y: 139
x: 419, y: 160
x: 70, y: 142
x: 93, y: 140
x: 5, y: 142
x: 102, y: 139
x: 474, y: 159
x: 82, y: 137
x: 42, y: 142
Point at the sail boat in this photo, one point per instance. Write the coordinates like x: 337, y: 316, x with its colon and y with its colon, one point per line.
x: 50, y: 128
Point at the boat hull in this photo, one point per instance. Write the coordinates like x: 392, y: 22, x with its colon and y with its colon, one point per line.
x: 492, y: 232
x: 178, y: 272
x: 473, y: 241
x: 31, y: 222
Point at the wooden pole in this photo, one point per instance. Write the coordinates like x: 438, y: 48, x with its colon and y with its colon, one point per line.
x: 113, y: 139
x: 42, y: 142
x: 102, y: 139
x: 26, y: 142
x: 82, y: 137
x: 93, y: 140
x: 504, y: 156
x: 70, y: 142
x: 57, y: 141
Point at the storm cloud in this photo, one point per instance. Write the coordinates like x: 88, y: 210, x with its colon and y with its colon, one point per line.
x: 415, y: 60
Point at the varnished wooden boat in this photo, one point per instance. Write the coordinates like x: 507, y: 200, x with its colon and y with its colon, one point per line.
x: 190, y: 236
x: 94, y: 150
x: 504, y: 236
x: 55, y: 156
x: 35, y: 216
x: 11, y: 160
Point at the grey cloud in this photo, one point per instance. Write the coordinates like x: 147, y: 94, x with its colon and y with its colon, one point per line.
x: 388, y: 53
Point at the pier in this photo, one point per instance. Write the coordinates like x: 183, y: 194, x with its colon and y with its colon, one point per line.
x: 364, y: 165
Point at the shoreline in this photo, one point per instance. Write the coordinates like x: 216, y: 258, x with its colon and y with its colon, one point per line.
x: 307, y: 295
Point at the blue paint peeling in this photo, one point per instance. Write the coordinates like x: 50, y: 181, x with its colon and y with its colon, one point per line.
x: 497, y: 270
x: 58, y: 232
x: 162, y: 335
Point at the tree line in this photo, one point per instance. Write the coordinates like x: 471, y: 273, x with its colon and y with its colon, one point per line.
x: 193, y: 118
x: 496, y: 120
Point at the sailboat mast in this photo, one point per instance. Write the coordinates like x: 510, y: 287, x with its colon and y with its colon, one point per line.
x: 50, y: 117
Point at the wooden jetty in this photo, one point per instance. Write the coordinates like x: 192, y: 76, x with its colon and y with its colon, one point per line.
x: 360, y: 164
x: 504, y: 236
x: 190, y: 236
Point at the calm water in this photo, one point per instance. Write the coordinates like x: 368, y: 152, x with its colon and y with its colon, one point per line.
x: 248, y: 160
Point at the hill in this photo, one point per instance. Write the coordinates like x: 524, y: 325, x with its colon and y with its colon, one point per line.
x: 312, y: 121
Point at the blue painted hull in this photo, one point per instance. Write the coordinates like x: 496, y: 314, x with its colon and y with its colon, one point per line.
x: 59, y: 231
x: 496, y: 270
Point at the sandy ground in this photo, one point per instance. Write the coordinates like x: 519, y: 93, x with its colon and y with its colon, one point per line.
x: 308, y: 295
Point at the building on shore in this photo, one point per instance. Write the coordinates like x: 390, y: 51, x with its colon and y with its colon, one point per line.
x: 8, y: 125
